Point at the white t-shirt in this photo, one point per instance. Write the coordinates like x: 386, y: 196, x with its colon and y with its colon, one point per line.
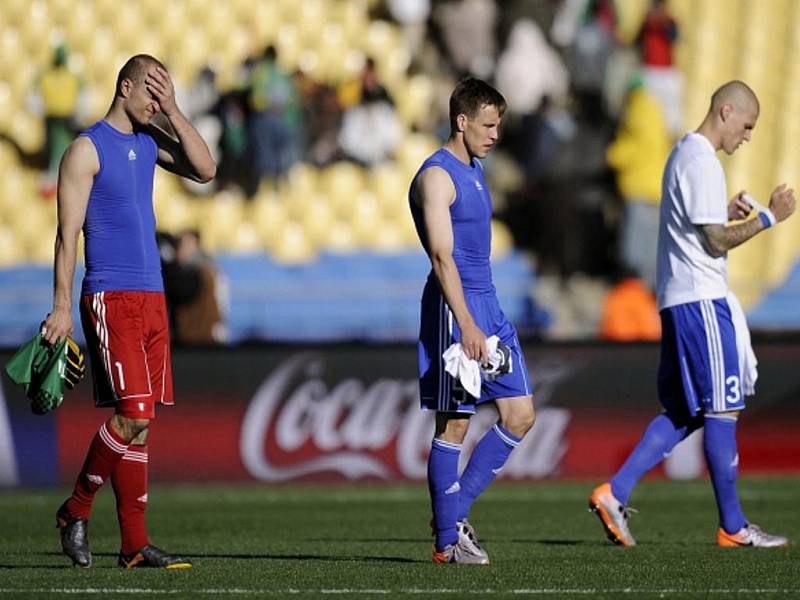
x: 693, y: 193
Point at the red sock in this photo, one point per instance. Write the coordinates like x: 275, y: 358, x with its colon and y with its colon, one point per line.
x: 130, y: 487
x: 105, y: 451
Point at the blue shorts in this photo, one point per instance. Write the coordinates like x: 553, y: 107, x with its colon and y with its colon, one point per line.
x: 699, y: 369
x: 438, y: 330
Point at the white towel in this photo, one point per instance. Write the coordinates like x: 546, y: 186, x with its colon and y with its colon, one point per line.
x: 468, y: 371
x: 747, y: 358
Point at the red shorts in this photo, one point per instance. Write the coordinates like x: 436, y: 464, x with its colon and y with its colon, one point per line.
x: 127, y: 335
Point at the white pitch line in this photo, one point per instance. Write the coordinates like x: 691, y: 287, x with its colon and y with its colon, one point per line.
x: 409, y: 591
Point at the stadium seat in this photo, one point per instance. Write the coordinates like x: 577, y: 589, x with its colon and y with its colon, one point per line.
x: 317, y: 219
x: 502, y: 240
x: 343, y: 181
x: 268, y: 215
x: 340, y: 238
x: 292, y: 246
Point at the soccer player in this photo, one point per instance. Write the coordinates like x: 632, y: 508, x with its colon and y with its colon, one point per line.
x: 452, y: 210
x: 105, y: 187
x: 707, y: 363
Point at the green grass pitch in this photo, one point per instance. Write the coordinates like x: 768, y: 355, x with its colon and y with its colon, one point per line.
x: 374, y: 542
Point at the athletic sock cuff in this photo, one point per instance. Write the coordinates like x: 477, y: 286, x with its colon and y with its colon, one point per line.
x: 509, y: 439
x: 446, y: 446
x: 111, y: 439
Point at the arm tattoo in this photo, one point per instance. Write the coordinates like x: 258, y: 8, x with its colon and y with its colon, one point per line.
x: 721, y: 238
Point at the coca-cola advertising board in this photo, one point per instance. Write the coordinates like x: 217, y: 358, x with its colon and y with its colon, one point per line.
x: 351, y: 412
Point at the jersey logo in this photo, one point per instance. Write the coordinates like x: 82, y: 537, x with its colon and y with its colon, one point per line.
x: 478, y: 186
x: 131, y: 155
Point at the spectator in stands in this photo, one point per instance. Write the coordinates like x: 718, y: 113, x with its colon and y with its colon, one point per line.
x: 199, y: 319
x: 589, y: 54
x: 58, y: 91
x: 202, y: 100
x: 629, y: 311
x: 322, y: 116
x: 637, y: 155
x: 466, y: 32
x: 413, y: 16
x: 656, y: 40
x: 370, y: 130
x: 529, y: 69
x: 274, y: 130
x: 235, y: 158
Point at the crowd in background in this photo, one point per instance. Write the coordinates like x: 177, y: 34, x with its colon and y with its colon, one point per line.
x: 589, y: 123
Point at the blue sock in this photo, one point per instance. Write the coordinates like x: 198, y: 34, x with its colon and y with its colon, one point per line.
x: 660, y: 437
x: 719, y: 441
x: 487, y: 459
x: 443, y: 486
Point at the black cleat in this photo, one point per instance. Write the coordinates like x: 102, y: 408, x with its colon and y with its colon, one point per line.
x: 74, y: 537
x: 150, y: 556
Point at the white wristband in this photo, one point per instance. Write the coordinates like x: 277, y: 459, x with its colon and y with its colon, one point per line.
x: 766, y: 215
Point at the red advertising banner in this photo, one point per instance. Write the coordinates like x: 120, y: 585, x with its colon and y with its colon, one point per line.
x: 331, y: 413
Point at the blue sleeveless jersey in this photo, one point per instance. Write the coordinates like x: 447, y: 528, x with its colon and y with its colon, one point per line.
x: 120, y: 226
x: 471, y: 215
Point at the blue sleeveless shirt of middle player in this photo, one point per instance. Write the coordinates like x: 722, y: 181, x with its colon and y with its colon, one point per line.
x: 471, y: 216
x: 120, y: 227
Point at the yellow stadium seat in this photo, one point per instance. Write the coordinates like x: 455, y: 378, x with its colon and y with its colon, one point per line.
x: 293, y: 245
x: 311, y: 18
x: 264, y: 22
x: 387, y: 238
x: 11, y: 251
x: 8, y: 107
x: 390, y: 188
x: 318, y: 219
x: 219, y: 219
x: 413, y: 150
x: 288, y: 46
x: 80, y: 28
x: 380, y: 40
x: 502, y: 240
x: 415, y: 104
x: 246, y: 239
x: 342, y: 181
x: 16, y: 11
x: 175, y: 213
x: 28, y: 131
x: 302, y: 178
x: 340, y: 238
x: 366, y: 218
x: 269, y: 216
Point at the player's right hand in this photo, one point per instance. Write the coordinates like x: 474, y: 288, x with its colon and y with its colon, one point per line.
x: 782, y: 202
x: 473, y: 342
x: 57, y: 326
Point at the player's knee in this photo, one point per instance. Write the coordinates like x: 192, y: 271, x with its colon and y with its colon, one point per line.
x: 451, y: 429
x: 520, y: 420
x: 129, y: 429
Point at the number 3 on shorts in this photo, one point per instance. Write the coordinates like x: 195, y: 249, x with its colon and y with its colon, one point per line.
x: 732, y: 395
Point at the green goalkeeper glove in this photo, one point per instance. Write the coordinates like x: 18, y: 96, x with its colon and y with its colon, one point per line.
x: 74, y: 365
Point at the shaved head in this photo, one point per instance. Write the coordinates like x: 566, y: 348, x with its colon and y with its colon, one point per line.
x: 135, y: 69
x: 736, y: 94
x: 731, y: 117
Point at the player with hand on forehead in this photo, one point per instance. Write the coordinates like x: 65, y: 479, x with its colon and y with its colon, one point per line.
x: 707, y: 366
x: 105, y: 188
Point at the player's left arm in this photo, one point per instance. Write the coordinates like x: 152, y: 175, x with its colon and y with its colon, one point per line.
x: 721, y: 238
x: 186, y: 154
